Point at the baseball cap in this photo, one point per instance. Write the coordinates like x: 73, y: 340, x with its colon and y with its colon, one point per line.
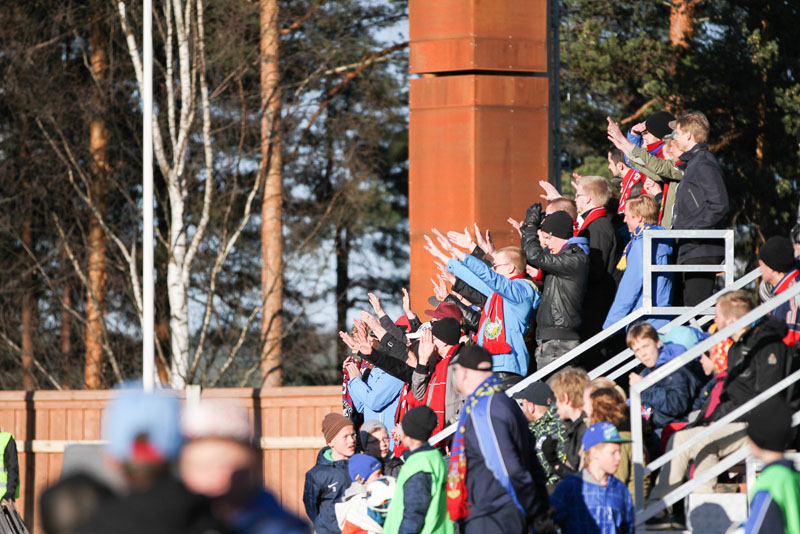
x: 537, y: 392
x: 473, y: 357
x: 418, y: 333
x: 601, y: 433
x: 445, y: 309
x: 361, y: 466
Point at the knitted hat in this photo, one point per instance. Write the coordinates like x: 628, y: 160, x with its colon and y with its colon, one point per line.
x: 447, y: 330
x: 778, y: 254
x: 445, y: 309
x: 361, y: 466
x: 559, y: 224
x: 332, y: 424
x: 473, y: 357
x: 658, y: 123
x: 419, y: 422
x: 143, y: 427
x: 769, y: 425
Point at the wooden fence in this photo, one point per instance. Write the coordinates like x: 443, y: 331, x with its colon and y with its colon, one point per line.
x: 287, y: 421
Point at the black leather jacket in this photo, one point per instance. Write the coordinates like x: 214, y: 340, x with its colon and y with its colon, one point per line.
x: 566, y: 274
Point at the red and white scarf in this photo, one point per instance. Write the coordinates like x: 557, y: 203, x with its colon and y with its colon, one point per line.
x: 493, y: 327
x: 632, y: 177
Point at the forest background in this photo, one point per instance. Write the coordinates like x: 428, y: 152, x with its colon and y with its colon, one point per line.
x: 281, y: 150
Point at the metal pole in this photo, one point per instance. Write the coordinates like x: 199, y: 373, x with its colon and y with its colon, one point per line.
x: 148, y: 323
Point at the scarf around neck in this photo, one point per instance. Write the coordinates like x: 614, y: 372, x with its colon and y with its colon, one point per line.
x: 623, y: 261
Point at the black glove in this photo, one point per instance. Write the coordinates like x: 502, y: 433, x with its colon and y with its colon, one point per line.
x: 549, y: 446
x: 534, y: 215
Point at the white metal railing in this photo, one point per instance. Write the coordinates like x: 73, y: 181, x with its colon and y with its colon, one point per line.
x: 684, y: 313
x: 672, y: 366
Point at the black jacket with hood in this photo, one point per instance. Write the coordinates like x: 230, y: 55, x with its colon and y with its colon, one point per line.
x: 325, y: 484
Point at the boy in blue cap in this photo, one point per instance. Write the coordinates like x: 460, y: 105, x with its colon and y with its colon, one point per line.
x: 352, y: 513
x: 593, y: 500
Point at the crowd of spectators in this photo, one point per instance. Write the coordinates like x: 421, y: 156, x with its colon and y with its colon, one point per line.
x: 557, y: 454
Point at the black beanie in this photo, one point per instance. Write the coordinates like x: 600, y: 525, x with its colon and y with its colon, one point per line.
x: 559, y: 224
x: 778, y: 254
x: 769, y: 425
x: 419, y: 422
x: 447, y: 330
x: 658, y: 123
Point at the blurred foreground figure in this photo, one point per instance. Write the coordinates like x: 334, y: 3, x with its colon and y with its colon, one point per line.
x: 219, y: 461
x: 143, y: 434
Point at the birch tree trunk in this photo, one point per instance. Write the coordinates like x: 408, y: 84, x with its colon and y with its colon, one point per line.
x: 98, y: 144
x: 271, y: 206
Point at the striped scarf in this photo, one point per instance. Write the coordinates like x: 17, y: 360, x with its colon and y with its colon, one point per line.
x: 623, y: 261
x: 457, y: 471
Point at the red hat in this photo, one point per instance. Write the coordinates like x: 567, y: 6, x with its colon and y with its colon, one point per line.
x: 446, y: 309
x: 403, y: 322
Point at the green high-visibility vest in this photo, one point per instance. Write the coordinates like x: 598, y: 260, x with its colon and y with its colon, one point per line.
x: 5, y: 437
x: 783, y: 484
x: 437, y: 521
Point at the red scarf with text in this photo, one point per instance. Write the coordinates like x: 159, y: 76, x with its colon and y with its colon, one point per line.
x: 494, y: 330
x: 632, y: 177
x: 594, y: 214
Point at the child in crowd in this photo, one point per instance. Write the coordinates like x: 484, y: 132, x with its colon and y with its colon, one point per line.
x: 775, y: 502
x: 568, y: 386
x: 671, y: 398
x: 593, y: 500
x: 420, y: 502
x: 352, y: 514
x: 327, y: 481
x: 375, y: 441
x: 608, y: 405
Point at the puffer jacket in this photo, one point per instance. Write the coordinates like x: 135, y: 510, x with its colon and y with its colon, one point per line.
x: 701, y: 202
x: 566, y: 275
x: 671, y: 398
x: 326, y: 482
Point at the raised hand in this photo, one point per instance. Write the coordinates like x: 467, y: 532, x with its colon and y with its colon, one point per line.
x: 426, y: 347
x: 446, y: 276
x: 446, y: 245
x: 363, y: 344
x: 464, y: 240
x: 376, y: 304
x: 349, y: 341
x: 439, y: 289
x: 516, y: 224
x: 532, y: 271
x: 550, y: 191
x: 373, y: 323
x: 351, y: 370
x: 407, y: 304
x: 534, y: 215
x: 639, y: 128
x: 617, y: 138
x: 485, y: 242
x: 431, y: 247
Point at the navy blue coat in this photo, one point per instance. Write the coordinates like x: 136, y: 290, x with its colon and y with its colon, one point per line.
x: 486, y: 497
x: 325, y: 484
x: 671, y: 398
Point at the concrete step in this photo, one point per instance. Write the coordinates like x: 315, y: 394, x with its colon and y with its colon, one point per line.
x: 714, y: 513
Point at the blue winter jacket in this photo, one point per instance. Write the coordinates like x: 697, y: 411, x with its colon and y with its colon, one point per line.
x: 263, y: 515
x: 629, y: 293
x: 584, y: 506
x: 672, y: 397
x: 520, y: 299
x: 377, y: 397
x: 325, y: 484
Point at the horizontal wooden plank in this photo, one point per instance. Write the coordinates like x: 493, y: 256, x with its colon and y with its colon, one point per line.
x: 57, y: 446
x: 292, y: 443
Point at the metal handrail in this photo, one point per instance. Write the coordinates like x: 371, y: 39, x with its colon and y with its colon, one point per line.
x: 680, y: 361
x: 648, y: 269
x: 745, y: 280
x: 687, y: 488
x: 685, y: 314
